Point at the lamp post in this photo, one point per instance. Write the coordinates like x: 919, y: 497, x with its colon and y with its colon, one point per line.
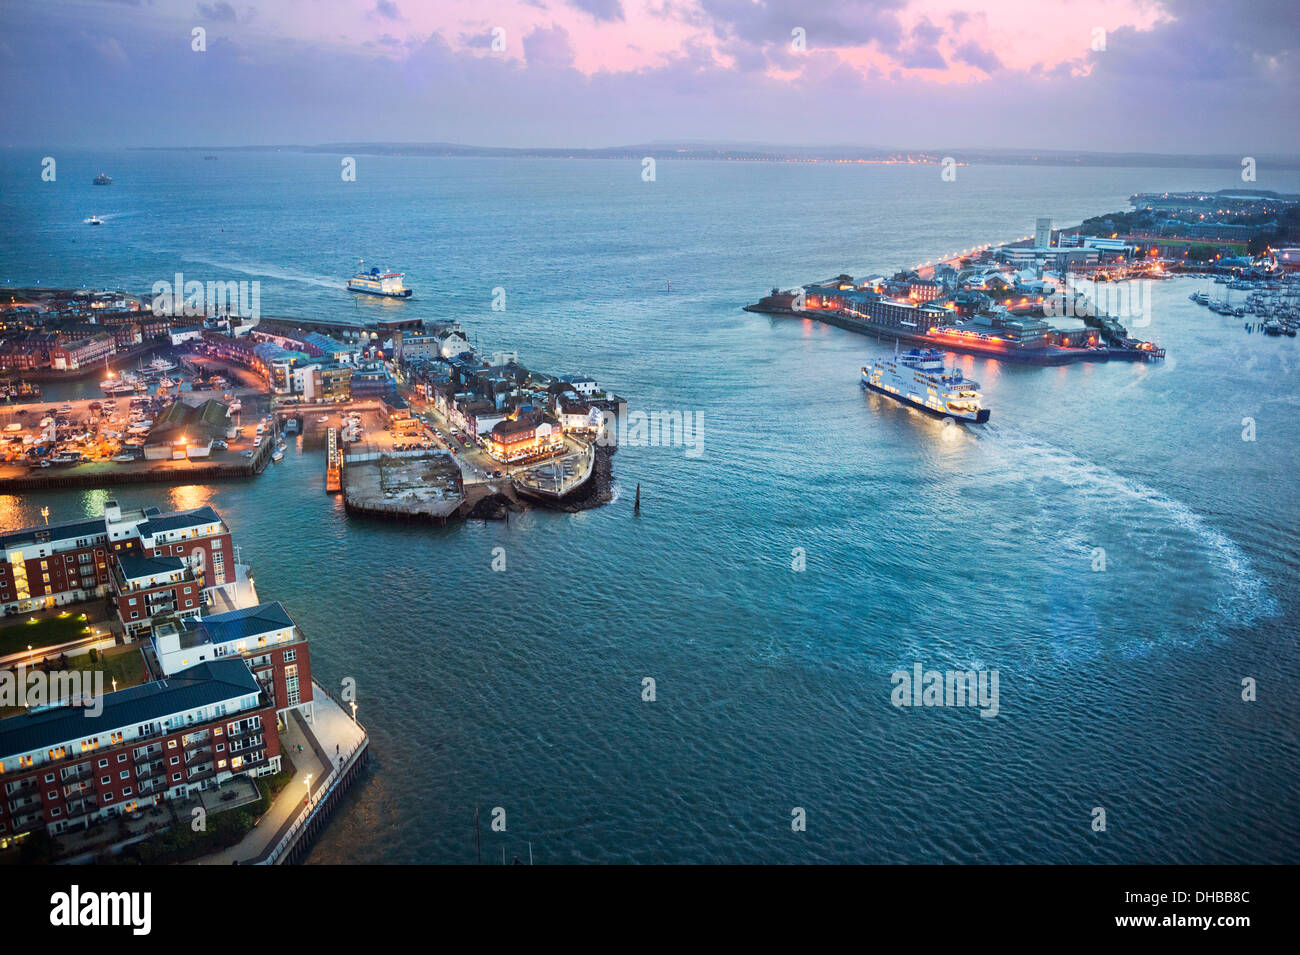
x: 354, y: 711
x: 45, y: 513
x: 307, y: 783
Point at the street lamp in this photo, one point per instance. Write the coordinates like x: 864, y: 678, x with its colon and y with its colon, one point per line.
x: 354, y: 711
x: 307, y: 782
x: 45, y: 513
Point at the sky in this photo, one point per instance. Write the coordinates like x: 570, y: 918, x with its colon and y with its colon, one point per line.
x: 1172, y: 76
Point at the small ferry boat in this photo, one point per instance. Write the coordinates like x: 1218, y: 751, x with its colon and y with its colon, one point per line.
x: 377, y: 282
x: 918, y: 378
x: 160, y: 365
x: 103, y: 180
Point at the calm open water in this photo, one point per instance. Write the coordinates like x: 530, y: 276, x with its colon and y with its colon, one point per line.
x: 522, y: 689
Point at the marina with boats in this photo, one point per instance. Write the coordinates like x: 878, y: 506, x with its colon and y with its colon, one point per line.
x: 1273, y: 306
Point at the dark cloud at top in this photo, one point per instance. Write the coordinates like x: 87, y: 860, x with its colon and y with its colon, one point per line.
x: 221, y: 12
x: 548, y: 47
x: 385, y: 10
x: 600, y: 10
x: 827, y: 23
x: 71, y: 76
x: 922, y: 51
x: 982, y: 58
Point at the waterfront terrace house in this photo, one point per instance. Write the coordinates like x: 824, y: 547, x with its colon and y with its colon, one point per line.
x: 127, y: 336
x: 54, y: 565
x: 73, y: 345
x: 265, y: 636
x: 525, y: 436
x: 584, y: 385
x: 27, y: 353
x: 575, y: 414
x: 62, y: 768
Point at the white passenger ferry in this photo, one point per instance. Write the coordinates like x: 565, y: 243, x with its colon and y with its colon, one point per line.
x: 377, y: 282
x: 918, y: 378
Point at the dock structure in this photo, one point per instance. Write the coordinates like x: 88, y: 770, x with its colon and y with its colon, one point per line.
x: 559, y: 477
x: 333, y: 463
x: 403, y: 485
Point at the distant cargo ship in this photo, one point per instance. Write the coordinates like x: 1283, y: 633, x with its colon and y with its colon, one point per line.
x: 103, y: 180
x: 919, y: 378
x: 375, y: 282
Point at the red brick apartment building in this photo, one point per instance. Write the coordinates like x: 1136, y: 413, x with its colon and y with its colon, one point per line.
x: 55, y: 565
x: 62, y: 768
x: 79, y: 560
x: 264, y: 635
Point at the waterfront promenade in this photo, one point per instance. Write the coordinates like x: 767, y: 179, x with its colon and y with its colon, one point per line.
x: 321, y: 748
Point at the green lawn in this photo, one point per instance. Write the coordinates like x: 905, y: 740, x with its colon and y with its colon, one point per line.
x: 121, y: 663
x: 15, y: 637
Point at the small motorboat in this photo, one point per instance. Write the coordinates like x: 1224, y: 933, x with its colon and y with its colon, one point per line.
x: 95, y: 220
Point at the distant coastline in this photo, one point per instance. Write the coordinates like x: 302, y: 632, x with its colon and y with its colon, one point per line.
x: 868, y: 155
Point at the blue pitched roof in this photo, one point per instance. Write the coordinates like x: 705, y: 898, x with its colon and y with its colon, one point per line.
x: 202, y: 685
x: 241, y: 624
x: 65, y: 531
x: 171, y: 522
x: 135, y: 565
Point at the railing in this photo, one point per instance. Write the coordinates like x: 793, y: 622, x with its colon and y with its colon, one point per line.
x: 13, y: 789
x: 79, y: 772
x: 81, y: 787
x: 322, y: 793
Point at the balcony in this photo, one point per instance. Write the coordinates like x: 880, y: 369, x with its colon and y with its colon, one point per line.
x: 80, y: 807
x: 24, y: 822
x: 199, y: 753
x: 153, y: 784
x: 16, y: 789
x: 84, y: 786
x: 199, y: 771
x: 124, y: 586
x: 243, y: 745
x: 20, y: 802
x: 236, y: 730
x: 74, y: 773
x: 149, y: 768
